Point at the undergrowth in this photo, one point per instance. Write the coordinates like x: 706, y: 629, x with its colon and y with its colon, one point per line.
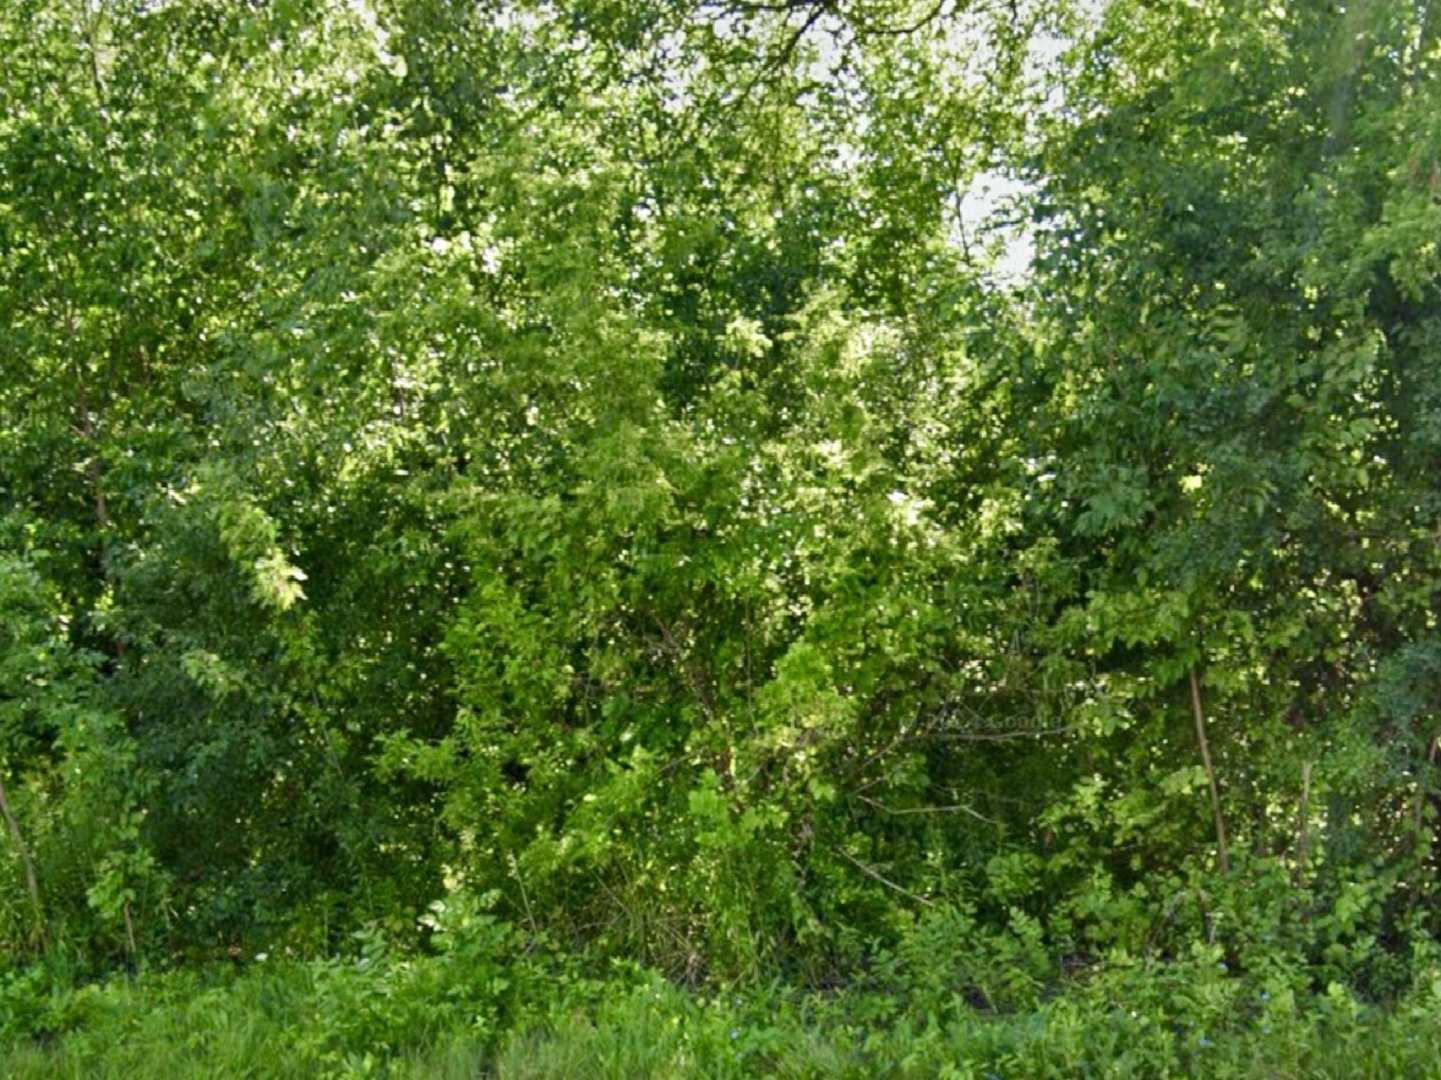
x: 483, y: 1001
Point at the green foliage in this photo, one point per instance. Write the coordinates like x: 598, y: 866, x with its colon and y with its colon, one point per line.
x: 75, y: 795
x: 591, y: 457
x: 368, y: 1009
x: 1191, y: 1016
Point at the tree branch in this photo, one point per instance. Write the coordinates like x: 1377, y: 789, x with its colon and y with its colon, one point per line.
x: 32, y: 884
x: 1200, y: 717
x: 876, y: 875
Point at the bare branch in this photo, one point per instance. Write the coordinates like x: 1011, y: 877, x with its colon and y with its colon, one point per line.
x: 1200, y: 718
x: 957, y: 808
x: 32, y: 884
x: 876, y: 875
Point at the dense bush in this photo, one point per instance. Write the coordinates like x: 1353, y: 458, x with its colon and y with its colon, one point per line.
x: 591, y: 457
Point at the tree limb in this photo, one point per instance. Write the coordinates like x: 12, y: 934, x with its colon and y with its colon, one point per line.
x: 32, y: 884
x: 1220, y: 820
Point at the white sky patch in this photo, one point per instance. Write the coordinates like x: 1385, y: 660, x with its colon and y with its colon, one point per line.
x: 992, y: 211
x: 988, y: 220
x: 363, y: 11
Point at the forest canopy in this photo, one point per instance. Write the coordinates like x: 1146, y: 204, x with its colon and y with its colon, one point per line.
x: 719, y: 482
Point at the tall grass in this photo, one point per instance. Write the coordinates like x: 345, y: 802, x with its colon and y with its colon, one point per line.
x: 281, y: 1020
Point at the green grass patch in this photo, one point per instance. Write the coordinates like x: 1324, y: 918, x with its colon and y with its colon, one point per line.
x: 367, y: 1018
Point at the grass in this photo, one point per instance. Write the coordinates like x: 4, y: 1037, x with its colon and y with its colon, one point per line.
x: 303, y: 1020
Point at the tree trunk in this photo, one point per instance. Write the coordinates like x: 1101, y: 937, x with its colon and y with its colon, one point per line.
x: 32, y: 885
x: 1223, y: 855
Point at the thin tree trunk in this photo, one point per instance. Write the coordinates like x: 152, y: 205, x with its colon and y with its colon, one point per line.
x: 96, y: 476
x: 129, y: 930
x: 32, y: 885
x: 92, y: 466
x: 1303, y: 841
x: 1221, y: 847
